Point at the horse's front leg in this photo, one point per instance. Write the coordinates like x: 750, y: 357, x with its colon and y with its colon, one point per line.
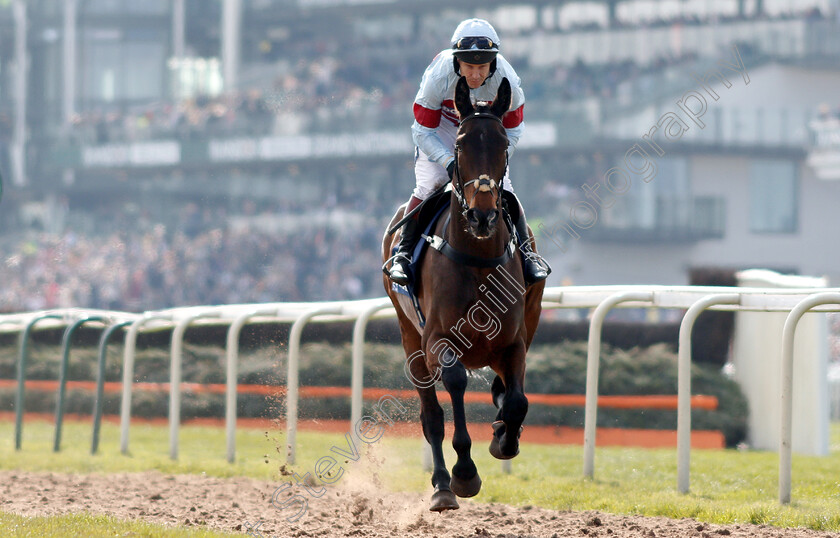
x: 465, y: 480
x: 431, y: 417
x: 509, y: 396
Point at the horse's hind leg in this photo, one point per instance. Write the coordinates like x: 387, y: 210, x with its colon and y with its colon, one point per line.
x: 497, y: 393
x: 513, y: 406
x: 465, y: 480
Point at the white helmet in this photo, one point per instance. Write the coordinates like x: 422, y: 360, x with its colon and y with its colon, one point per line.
x: 475, y: 41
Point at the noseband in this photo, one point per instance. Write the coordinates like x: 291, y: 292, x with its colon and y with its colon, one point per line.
x: 482, y: 183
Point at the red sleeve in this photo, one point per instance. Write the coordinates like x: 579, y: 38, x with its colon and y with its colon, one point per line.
x: 513, y: 118
x: 426, y: 117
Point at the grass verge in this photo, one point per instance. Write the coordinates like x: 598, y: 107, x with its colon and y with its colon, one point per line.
x: 15, y: 526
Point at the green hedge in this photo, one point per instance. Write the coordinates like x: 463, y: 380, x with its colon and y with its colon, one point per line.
x: 638, y: 371
x: 558, y: 369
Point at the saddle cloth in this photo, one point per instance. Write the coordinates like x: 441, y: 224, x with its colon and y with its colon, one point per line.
x: 434, y: 207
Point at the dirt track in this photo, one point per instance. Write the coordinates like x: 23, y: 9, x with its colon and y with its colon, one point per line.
x: 351, y: 509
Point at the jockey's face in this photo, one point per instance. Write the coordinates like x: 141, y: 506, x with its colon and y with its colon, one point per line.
x: 475, y: 73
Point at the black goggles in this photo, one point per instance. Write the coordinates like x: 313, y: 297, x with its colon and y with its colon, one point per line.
x: 469, y: 43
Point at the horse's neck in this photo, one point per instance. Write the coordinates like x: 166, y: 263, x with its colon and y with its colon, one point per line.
x: 462, y: 240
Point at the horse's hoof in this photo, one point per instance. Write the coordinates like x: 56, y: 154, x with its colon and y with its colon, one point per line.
x: 443, y: 499
x: 465, y: 488
x: 495, y: 446
x: 496, y: 451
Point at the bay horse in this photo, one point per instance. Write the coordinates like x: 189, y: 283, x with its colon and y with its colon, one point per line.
x: 477, y: 309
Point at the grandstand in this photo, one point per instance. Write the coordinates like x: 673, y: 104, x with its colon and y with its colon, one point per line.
x: 258, y: 148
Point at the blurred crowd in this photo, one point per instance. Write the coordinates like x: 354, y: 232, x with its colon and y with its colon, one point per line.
x: 693, y: 19
x: 326, y: 87
x: 334, y: 81
x: 302, y: 100
x: 323, y: 94
x: 160, y: 268
x: 317, y: 92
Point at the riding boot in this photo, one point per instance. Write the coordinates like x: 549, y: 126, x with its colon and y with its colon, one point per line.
x: 402, y: 259
x: 534, y: 267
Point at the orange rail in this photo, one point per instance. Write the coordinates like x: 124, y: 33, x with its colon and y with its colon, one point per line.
x: 539, y: 434
x: 560, y: 400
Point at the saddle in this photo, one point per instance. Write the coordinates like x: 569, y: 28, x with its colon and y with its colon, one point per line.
x: 428, y: 217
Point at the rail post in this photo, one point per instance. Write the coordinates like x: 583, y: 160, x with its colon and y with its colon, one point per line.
x: 21, y: 373
x: 684, y: 383
x: 292, y: 378
x: 785, y: 437
x: 232, y: 360
x: 100, y: 382
x: 128, y: 373
x: 593, y: 357
x: 357, y: 375
x: 66, y: 340
x: 176, y: 359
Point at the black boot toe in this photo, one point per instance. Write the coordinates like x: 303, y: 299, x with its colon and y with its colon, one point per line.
x: 534, y: 272
x: 399, y: 271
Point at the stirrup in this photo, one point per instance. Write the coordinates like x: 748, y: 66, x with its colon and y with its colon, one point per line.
x: 531, y: 257
x: 403, y: 268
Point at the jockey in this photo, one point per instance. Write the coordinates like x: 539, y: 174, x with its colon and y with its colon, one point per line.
x: 475, y: 55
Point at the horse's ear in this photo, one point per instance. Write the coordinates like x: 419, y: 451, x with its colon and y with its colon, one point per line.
x: 502, y: 102
x: 462, y: 98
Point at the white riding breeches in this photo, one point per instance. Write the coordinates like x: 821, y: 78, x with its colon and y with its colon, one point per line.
x: 430, y: 175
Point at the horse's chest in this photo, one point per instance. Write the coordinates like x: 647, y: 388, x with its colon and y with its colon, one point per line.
x: 480, y: 327
x: 475, y: 309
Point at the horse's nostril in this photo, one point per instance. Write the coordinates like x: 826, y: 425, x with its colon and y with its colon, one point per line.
x: 472, y: 217
x: 492, y: 217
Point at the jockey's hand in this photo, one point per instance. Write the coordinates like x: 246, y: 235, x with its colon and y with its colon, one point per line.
x: 450, y: 168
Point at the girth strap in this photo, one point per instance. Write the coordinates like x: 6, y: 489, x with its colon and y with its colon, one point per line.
x: 442, y: 245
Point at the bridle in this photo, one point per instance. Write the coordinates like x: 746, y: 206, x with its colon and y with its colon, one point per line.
x: 481, y: 181
x: 442, y: 245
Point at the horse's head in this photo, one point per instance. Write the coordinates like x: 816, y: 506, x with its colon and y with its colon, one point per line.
x: 480, y: 158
